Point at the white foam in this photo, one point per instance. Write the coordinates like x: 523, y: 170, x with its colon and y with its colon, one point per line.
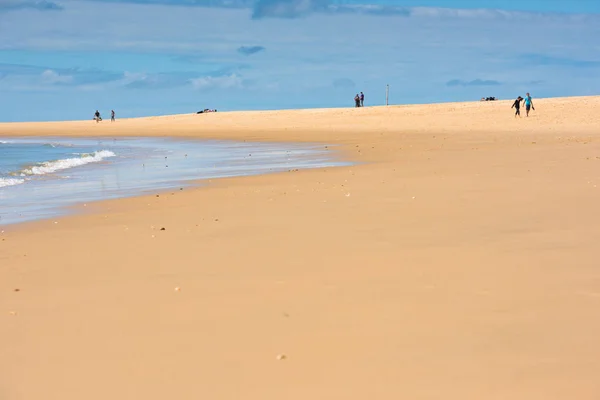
x: 49, y: 167
x: 10, y: 181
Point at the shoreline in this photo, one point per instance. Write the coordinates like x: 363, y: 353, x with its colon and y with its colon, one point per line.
x: 208, y: 160
x: 457, y: 261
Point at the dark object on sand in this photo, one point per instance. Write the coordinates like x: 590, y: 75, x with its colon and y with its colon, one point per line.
x: 206, y: 110
x: 488, y: 99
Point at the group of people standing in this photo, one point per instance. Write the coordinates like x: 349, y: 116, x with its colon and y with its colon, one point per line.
x: 526, y: 101
x: 98, y: 118
x: 359, y: 100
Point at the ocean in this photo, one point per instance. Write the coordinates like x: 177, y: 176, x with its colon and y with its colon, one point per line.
x: 43, y: 177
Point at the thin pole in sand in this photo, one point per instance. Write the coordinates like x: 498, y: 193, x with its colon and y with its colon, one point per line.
x: 387, y: 94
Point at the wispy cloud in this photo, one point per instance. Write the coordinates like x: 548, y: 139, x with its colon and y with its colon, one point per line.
x: 43, y: 5
x: 302, y: 8
x: 370, y: 9
x: 31, y: 78
x: 137, y: 80
x: 249, y: 50
x: 217, y: 82
x: 475, y: 82
x: 20, y: 69
x: 57, y: 76
x: 471, y: 13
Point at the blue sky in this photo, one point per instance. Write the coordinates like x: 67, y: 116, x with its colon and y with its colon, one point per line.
x: 65, y: 59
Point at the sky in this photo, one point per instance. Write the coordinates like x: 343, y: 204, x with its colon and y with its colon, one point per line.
x: 62, y: 60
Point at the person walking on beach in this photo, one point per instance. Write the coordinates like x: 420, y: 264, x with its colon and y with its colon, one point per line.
x: 517, y: 106
x: 357, y: 100
x: 97, y: 116
x: 362, y: 99
x: 112, y: 115
x: 528, y: 104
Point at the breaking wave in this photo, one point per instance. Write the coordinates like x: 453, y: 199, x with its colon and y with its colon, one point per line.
x: 10, y: 181
x: 49, y: 167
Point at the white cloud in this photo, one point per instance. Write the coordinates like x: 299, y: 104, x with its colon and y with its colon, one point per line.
x: 129, y: 77
x: 51, y: 77
x: 217, y: 82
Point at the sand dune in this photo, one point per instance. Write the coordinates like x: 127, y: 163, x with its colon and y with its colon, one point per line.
x: 457, y: 260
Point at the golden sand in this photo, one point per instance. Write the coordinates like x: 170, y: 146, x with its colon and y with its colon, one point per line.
x: 457, y: 260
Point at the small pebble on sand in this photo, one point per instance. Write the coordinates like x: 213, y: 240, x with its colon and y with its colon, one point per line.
x: 281, y: 357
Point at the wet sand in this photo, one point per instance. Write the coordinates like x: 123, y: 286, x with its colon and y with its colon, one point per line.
x: 457, y: 260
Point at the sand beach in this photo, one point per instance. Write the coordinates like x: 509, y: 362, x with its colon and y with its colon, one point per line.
x: 457, y: 259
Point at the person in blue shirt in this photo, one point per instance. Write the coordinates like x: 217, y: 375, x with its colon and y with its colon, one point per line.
x: 528, y: 104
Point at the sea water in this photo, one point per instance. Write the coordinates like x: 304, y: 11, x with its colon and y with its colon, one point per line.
x: 41, y: 177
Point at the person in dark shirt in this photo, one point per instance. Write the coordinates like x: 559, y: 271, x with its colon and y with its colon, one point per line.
x: 362, y: 99
x: 357, y: 100
x: 112, y: 115
x: 517, y: 106
x: 97, y: 116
